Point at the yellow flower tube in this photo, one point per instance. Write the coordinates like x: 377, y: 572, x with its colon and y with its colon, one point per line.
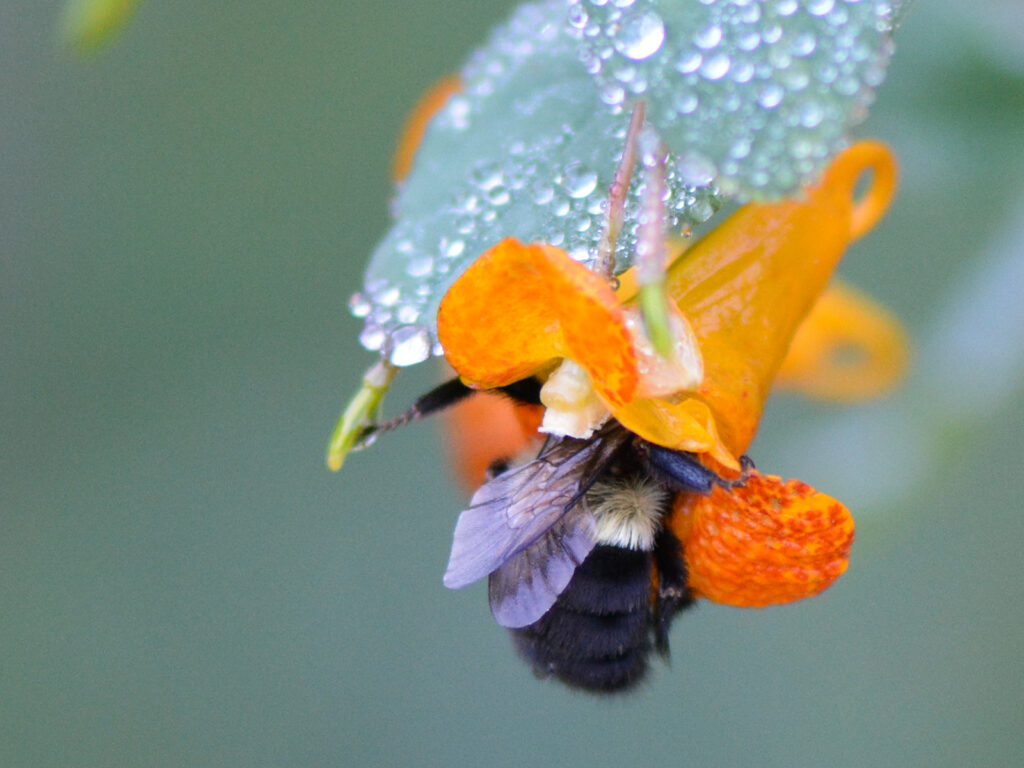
x: 748, y: 285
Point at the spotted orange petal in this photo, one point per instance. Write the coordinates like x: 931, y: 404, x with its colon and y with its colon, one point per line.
x: 520, y: 307
x: 765, y: 543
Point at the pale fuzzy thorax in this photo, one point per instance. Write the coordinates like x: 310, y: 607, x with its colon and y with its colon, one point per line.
x: 627, y: 512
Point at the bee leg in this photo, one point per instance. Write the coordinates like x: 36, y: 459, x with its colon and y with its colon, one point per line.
x: 672, y: 595
x: 523, y: 392
x: 679, y: 470
x: 451, y: 392
x: 746, y: 467
x: 496, y: 467
x: 440, y: 397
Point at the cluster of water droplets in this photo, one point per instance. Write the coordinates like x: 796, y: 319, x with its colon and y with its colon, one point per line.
x: 749, y: 97
x: 762, y: 92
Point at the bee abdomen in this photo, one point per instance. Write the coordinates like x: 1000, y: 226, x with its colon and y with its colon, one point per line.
x: 597, y: 634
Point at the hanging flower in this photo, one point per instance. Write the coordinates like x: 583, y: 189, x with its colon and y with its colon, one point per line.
x: 745, y: 290
x: 611, y: 380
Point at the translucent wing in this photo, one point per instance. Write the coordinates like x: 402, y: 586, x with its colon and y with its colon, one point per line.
x: 526, y: 585
x: 517, y: 508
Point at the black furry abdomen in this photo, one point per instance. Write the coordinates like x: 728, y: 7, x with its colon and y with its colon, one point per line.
x: 597, y: 635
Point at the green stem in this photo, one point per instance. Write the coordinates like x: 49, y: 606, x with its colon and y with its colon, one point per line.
x: 654, y: 306
x: 359, y: 413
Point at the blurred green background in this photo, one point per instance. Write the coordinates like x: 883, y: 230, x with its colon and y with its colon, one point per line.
x: 182, y: 583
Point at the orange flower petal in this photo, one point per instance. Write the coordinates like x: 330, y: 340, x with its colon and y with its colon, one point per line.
x: 849, y: 348
x: 748, y: 285
x: 765, y: 543
x: 686, y: 426
x: 519, y: 307
x: 417, y: 122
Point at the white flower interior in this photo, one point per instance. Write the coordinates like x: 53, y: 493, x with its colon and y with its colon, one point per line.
x: 661, y: 377
x: 572, y: 407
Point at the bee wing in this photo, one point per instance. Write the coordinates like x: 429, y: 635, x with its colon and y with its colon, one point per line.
x: 525, y: 586
x: 513, y: 510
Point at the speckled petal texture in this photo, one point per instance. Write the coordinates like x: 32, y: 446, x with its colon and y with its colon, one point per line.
x: 765, y: 543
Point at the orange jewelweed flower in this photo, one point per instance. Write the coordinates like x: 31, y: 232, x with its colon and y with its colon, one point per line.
x: 746, y: 290
x: 416, y: 124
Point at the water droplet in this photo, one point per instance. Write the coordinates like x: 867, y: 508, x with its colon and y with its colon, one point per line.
x: 827, y: 74
x: 613, y: 94
x: 640, y: 36
x: 410, y: 345
x: 421, y: 266
x: 542, y: 193
x: 695, y: 170
x: 578, y: 17
x: 796, y: 78
x: 389, y: 297
x: 742, y: 72
x: 749, y: 15
x: 811, y: 114
x: 689, y: 62
x: 625, y: 74
x: 372, y: 337
x: 358, y: 305
x: 487, y: 174
x: 708, y: 37
x: 408, y: 313
x: 498, y: 195
x: 579, y: 253
x: 716, y: 67
x: 801, y: 148
x: 578, y: 181
x: 686, y: 101
x: 847, y: 86
x: 749, y: 41
x: 771, y: 96
x: 803, y: 45
x: 457, y: 112
x: 701, y: 210
x: 741, y: 148
x: 820, y: 7
x: 454, y: 249
x: 772, y: 34
x: 786, y: 7
x: 838, y: 17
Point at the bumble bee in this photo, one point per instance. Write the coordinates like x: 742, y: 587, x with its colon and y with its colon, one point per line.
x: 581, y: 566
